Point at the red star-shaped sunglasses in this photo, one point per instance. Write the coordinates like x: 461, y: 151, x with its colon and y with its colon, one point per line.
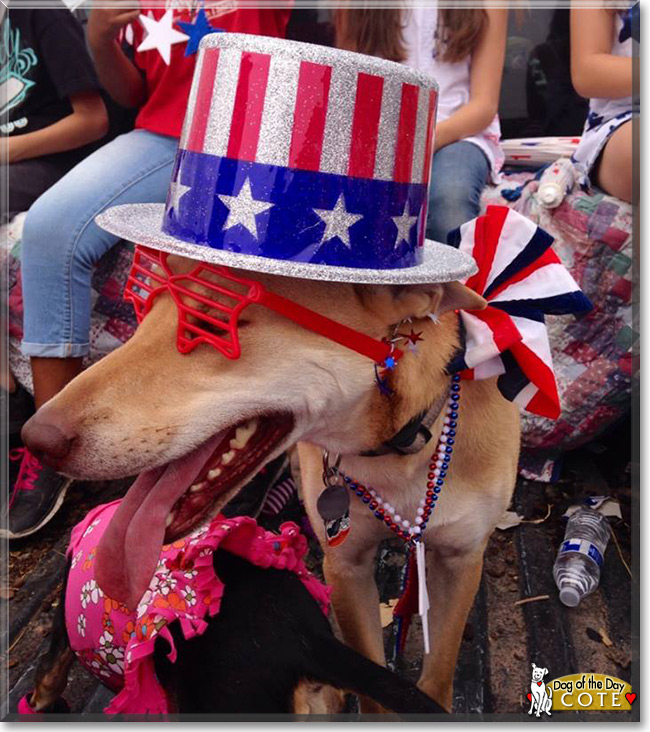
x: 209, y: 313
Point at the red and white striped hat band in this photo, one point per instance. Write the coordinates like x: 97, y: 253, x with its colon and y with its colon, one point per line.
x: 301, y: 160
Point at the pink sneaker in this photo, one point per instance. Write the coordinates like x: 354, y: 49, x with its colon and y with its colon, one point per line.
x: 37, y: 495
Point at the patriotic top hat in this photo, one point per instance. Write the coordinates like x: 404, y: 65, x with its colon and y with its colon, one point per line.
x: 303, y: 161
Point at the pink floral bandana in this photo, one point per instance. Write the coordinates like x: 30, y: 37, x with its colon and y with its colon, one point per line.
x: 116, y: 645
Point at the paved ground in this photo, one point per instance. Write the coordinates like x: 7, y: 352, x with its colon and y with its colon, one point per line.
x: 503, y: 636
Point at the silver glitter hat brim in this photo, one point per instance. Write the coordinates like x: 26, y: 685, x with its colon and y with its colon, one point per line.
x: 141, y: 223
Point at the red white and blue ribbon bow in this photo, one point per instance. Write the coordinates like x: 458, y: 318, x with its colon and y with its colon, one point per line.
x: 522, y: 280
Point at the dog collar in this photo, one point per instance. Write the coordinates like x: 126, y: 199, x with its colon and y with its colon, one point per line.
x: 414, y: 436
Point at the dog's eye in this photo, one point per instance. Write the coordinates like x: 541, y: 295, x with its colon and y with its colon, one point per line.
x: 213, y: 322
x: 209, y: 326
x: 209, y: 302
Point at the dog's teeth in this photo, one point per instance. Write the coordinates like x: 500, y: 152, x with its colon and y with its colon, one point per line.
x: 169, y: 520
x: 243, y: 435
x: 215, y: 473
x: 227, y: 457
x: 197, y: 487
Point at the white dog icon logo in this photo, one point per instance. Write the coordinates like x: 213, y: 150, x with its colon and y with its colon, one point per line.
x: 540, y: 700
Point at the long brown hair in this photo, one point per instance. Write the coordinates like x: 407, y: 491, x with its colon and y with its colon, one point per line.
x: 378, y: 32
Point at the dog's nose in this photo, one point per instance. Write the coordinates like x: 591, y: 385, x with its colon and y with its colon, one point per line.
x: 46, y: 441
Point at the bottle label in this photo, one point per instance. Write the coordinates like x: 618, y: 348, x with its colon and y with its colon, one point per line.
x: 582, y: 546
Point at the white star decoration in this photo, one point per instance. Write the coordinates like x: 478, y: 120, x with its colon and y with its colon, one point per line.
x: 337, y: 221
x: 404, y: 224
x: 176, y: 191
x: 243, y: 208
x: 160, y: 35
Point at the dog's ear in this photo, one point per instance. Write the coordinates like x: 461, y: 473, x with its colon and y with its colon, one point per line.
x: 545, y: 672
x: 420, y: 300
x: 417, y: 301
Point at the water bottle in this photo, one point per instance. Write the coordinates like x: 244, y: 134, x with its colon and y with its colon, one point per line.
x: 577, y: 568
x: 556, y: 181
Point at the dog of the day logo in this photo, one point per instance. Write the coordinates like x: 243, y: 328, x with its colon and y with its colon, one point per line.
x: 585, y: 692
x: 540, y: 695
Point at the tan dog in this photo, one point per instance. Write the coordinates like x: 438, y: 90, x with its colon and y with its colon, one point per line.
x: 218, y: 421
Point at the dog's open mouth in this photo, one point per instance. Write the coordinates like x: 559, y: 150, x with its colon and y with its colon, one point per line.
x: 237, y: 456
x: 166, y: 503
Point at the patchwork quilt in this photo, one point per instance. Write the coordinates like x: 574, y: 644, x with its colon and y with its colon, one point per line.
x: 594, y: 356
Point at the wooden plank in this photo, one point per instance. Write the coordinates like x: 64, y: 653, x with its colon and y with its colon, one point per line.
x: 42, y: 581
x: 25, y: 682
x: 549, y: 637
x: 617, y: 591
x: 98, y: 700
x: 507, y: 637
x: 472, y: 694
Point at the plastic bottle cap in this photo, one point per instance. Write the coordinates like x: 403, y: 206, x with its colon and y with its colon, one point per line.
x: 547, y: 194
x: 569, y: 596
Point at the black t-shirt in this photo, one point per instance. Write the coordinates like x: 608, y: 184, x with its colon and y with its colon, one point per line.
x: 43, y: 60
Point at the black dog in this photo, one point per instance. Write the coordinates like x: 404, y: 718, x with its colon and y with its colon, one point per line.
x: 269, y: 650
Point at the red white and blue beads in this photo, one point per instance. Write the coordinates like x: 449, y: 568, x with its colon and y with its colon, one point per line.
x: 438, y: 468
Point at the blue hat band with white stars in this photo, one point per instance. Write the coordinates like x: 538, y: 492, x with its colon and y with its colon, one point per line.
x: 295, y: 215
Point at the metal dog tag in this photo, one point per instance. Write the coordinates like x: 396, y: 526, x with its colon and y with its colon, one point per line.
x: 334, y: 508
x: 333, y: 502
x: 333, y: 505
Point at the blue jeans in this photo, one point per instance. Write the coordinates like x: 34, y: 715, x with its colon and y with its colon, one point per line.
x: 458, y: 175
x: 62, y: 243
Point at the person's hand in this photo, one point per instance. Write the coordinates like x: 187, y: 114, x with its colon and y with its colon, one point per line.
x: 442, y: 135
x: 12, y: 149
x: 118, y: 74
x: 105, y: 23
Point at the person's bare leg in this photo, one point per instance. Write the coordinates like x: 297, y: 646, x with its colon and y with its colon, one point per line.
x: 51, y: 375
x: 7, y: 381
x: 614, y: 174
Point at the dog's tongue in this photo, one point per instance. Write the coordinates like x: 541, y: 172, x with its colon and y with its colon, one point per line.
x: 129, y: 550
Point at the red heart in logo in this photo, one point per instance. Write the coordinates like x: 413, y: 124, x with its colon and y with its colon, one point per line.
x: 539, y: 683
x: 530, y: 696
x: 630, y: 697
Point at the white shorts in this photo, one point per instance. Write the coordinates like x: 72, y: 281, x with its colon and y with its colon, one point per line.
x: 594, y: 138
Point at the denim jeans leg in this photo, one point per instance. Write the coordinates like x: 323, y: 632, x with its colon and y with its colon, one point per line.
x: 458, y: 175
x: 62, y: 243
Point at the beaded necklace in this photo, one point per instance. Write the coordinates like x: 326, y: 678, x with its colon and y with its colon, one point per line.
x: 412, y: 533
x: 438, y: 467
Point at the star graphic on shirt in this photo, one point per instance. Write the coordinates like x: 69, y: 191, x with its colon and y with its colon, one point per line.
x: 160, y: 35
x: 243, y: 208
x: 404, y: 224
x: 337, y: 221
x: 176, y: 191
x: 197, y: 30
